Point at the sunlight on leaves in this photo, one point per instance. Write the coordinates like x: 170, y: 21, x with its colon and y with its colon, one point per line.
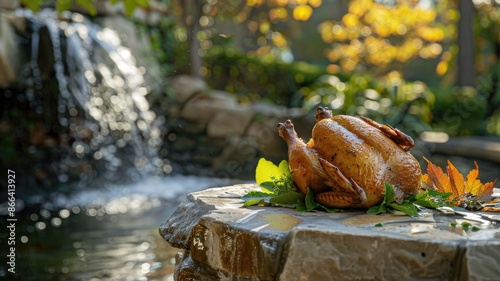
x: 252, y: 3
x: 376, y: 35
x: 315, y: 3
x: 266, y: 170
x: 302, y: 12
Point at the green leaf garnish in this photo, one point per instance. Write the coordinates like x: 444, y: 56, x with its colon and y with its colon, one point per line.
x: 310, y: 204
x: 253, y: 202
x: 431, y: 199
x: 389, y: 203
x: 288, y: 199
x: 406, y: 207
x: 382, y: 207
x: 301, y: 206
x: 428, y: 199
x: 267, y: 187
x: 378, y: 209
x: 251, y: 194
x: 466, y: 225
x: 389, y: 193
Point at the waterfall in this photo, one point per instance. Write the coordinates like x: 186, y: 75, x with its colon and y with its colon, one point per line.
x: 102, y: 96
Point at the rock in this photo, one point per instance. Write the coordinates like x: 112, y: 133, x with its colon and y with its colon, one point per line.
x: 238, y: 158
x: 223, y: 241
x: 230, y: 122
x: 264, y: 131
x: 182, y: 144
x: 226, y: 249
x: 267, y: 109
x: 354, y: 255
x: 9, y: 4
x: 223, y: 97
x: 9, y: 52
x: 177, y: 229
x: 185, y: 87
x: 203, y: 106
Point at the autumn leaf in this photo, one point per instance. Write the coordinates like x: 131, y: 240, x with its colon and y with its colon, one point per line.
x: 454, y: 182
x: 440, y: 181
x: 426, y: 182
x: 474, y: 186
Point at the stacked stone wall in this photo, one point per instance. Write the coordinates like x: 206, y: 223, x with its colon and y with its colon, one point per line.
x: 210, y: 132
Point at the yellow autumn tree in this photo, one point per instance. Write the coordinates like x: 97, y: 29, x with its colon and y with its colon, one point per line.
x: 379, y: 37
x: 372, y: 35
x: 261, y: 16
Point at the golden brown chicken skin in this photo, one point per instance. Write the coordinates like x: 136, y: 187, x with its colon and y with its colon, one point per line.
x: 348, y: 160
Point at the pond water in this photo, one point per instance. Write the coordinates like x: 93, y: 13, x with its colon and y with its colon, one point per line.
x: 110, y: 234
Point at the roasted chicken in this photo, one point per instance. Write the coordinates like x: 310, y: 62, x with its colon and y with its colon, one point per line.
x: 348, y: 160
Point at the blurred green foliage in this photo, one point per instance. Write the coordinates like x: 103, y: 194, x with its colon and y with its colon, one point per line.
x: 169, y: 46
x: 254, y: 79
x: 463, y: 112
x: 89, y: 5
x: 390, y: 100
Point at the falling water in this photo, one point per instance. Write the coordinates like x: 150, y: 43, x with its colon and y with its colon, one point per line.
x: 104, y: 124
x: 102, y: 97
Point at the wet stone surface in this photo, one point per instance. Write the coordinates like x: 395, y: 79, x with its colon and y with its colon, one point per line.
x: 221, y: 240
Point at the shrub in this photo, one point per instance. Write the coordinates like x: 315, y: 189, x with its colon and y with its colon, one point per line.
x: 389, y: 100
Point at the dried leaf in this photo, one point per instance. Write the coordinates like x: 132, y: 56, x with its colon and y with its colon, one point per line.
x: 454, y: 182
x: 492, y: 206
x: 472, y: 184
x: 426, y: 182
x: 491, y: 209
x: 440, y: 180
x: 487, y: 190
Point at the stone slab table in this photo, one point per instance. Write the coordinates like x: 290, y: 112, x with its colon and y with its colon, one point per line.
x: 221, y: 240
